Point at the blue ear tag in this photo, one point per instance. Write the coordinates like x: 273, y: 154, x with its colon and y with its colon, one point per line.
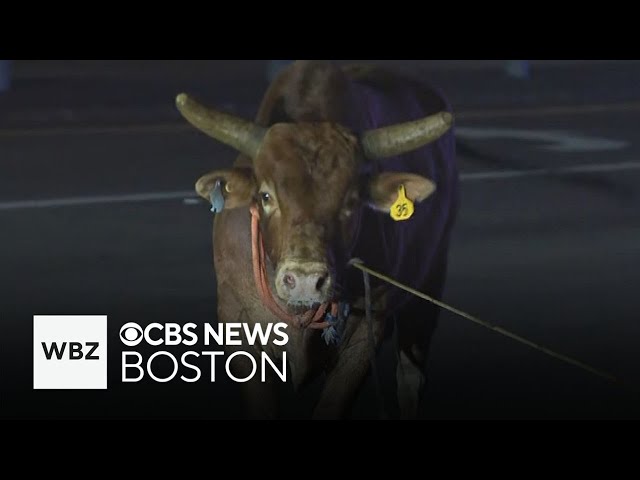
x: 217, y: 200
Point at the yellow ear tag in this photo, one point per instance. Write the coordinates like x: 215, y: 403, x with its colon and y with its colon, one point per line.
x: 402, y: 208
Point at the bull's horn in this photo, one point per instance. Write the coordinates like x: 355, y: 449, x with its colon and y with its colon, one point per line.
x: 244, y: 136
x: 403, y: 137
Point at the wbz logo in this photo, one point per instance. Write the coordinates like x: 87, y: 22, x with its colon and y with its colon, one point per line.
x: 75, y: 350
x: 70, y: 352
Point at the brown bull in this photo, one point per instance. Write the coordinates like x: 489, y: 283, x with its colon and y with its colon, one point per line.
x: 321, y: 166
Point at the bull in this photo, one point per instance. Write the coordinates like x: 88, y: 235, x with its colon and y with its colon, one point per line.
x: 318, y: 171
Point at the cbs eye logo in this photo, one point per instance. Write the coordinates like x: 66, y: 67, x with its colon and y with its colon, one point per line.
x: 131, y: 334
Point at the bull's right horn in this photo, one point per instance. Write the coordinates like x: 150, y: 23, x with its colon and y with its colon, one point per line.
x: 401, y: 138
x: 244, y: 136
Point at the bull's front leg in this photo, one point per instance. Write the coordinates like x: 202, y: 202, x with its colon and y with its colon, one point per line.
x: 348, y: 375
x: 260, y: 398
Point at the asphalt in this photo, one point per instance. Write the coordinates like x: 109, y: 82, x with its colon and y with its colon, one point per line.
x: 547, y: 243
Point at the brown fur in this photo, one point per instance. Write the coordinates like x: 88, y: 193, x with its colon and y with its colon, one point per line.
x: 309, y: 161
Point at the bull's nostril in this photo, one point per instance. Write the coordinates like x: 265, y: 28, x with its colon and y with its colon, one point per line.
x: 289, y: 281
x: 321, y: 282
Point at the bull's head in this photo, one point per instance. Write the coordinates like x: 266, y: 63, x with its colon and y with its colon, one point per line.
x: 305, y: 179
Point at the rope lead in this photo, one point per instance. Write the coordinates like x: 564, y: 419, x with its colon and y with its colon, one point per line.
x: 357, y: 263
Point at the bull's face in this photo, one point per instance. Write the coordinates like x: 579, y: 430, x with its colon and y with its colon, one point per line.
x: 306, y: 182
x: 306, y: 189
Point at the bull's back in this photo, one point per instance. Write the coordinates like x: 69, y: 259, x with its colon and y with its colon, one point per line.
x: 412, y: 250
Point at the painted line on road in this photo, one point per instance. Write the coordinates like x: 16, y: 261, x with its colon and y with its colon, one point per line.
x: 46, y: 131
x: 553, y: 140
x: 549, y: 111
x: 171, y: 127
x: 95, y: 200
x: 189, y: 198
x: 540, y: 172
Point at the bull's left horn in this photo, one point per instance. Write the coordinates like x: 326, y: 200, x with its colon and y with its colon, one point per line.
x: 404, y: 137
x: 243, y: 135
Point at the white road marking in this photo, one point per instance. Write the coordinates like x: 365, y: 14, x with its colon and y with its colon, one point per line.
x: 554, y: 110
x: 97, y: 130
x: 93, y: 200
x: 189, y: 198
x: 554, y: 140
x: 537, y: 172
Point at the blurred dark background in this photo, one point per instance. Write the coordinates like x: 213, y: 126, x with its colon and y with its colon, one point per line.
x: 98, y: 216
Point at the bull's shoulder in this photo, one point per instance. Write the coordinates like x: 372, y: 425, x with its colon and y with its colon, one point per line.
x: 371, y: 74
x: 316, y: 91
x: 388, y: 81
x: 380, y: 78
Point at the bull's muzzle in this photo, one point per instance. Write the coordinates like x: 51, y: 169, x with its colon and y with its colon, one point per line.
x: 303, y: 283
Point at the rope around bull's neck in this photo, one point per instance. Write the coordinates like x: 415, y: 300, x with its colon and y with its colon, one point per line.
x: 311, y: 318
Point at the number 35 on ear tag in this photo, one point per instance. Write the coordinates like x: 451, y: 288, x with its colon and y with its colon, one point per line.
x: 402, y: 208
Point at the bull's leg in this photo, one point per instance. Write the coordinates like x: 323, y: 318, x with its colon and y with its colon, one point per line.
x: 260, y: 397
x: 349, y: 372
x: 411, y: 381
x: 415, y: 325
x: 414, y: 338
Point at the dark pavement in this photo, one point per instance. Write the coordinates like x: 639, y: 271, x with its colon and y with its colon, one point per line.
x: 547, y: 243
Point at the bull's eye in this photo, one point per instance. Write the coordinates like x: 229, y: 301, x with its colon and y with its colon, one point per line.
x: 265, y: 197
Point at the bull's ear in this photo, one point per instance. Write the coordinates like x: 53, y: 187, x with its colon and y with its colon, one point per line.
x: 238, y: 186
x: 383, y: 189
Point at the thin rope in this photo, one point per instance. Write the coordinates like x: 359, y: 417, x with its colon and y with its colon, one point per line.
x: 596, y: 371
x: 311, y: 318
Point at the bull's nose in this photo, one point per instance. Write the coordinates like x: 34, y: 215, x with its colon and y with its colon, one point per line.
x: 310, y: 282
x: 289, y: 280
x: 303, y: 285
x: 321, y: 281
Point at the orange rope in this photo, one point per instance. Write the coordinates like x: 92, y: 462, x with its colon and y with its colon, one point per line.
x: 310, y: 318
